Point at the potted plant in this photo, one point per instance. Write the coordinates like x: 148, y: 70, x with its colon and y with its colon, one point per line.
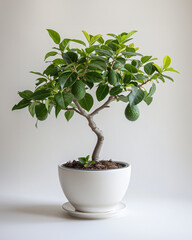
x: 110, y: 70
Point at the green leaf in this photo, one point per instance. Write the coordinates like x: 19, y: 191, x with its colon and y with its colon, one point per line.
x: 152, y: 90
x: 70, y: 57
x: 145, y: 59
x: 104, y: 52
x: 91, y: 49
x: 95, y: 38
x: 123, y: 98
x: 102, y: 92
x: 63, y: 99
x: 95, y: 57
x: 69, y: 114
x: 158, y: 68
x: 22, y: 104
x: 58, y: 61
x: 41, y: 94
x: 26, y: 94
x: 54, y: 35
x: 125, y: 36
x: 93, y: 77
x: 131, y: 68
x: 87, y: 36
x: 165, y: 76
x: 172, y: 70
x: 115, y: 90
x: 86, y: 102
x: 31, y: 108
x: 57, y: 110
x: 47, y: 101
x: 97, y: 65
x: 166, y: 62
x: 148, y: 100
x: 67, y: 79
x: 112, y: 77
x: 82, y: 160
x: 51, y: 70
x: 131, y: 54
x: 41, y: 112
x: 136, y: 96
x: 127, y: 79
x: 78, y: 41
x: 40, y: 80
x: 78, y: 89
x: 50, y: 54
x: 64, y: 44
x: 37, y: 73
x: 149, y: 68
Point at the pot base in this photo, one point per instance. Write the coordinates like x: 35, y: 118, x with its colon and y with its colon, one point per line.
x: 120, y: 208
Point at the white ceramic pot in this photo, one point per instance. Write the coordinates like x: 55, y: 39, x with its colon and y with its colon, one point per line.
x: 95, y: 190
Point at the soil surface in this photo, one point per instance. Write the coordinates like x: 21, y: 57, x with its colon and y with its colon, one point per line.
x: 103, y: 164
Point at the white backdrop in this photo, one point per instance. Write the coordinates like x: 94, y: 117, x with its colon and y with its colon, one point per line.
x: 158, y: 145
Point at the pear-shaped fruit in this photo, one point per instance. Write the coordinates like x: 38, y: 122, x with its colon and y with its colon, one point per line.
x: 132, y: 112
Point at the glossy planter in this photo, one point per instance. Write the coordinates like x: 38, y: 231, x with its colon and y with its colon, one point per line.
x: 95, y: 190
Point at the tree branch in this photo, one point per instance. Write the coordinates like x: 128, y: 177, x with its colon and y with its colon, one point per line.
x: 105, y: 105
x: 81, y: 110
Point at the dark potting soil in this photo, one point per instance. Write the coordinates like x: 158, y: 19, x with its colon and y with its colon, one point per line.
x: 103, y: 164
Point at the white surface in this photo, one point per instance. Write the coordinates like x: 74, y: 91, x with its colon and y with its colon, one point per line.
x: 158, y: 144
x: 117, y: 211
x: 94, y: 191
x: 146, y: 219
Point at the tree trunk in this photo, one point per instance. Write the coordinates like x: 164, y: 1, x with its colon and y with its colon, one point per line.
x: 100, y: 139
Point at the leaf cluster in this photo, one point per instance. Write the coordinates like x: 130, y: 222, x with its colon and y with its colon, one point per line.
x: 113, y: 67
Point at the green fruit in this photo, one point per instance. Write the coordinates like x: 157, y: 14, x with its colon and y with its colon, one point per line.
x: 132, y: 112
x: 78, y: 89
x: 112, y: 77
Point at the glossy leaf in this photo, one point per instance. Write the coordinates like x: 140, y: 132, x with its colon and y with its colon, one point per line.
x: 104, y: 52
x: 172, y: 70
x: 93, y: 77
x: 112, y: 77
x: 136, y: 96
x: 22, y: 104
x: 145, y: 59
x: 148, y: 100
x: 87, y: 36
x: 166, y: 62
x: 41, y: 112
x: 70, y: 57
x: 26, y: 94
x: 78, y: 89
x: 31, y: 108
x: 69, y: 114
x: 102, y: 92
x: 131, y: 68
x: 165, y: 76
x: 115, y: 90
x: 51, y: 70
x: 50, y: 54
x: 41, y: 94
x: 54, y: 35
x: 97, y: 65
x: 149, y: 68
x: 152, y: 90
x: 67, y: 79
x: 86, y: 102
x: 63, y: 99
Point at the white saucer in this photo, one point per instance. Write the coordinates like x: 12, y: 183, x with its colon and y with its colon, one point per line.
x: 71, y: 211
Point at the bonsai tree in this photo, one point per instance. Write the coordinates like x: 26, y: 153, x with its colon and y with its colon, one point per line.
x: 113, y: 70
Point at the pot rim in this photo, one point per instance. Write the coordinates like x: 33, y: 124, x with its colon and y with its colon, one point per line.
x: 126, y: 165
